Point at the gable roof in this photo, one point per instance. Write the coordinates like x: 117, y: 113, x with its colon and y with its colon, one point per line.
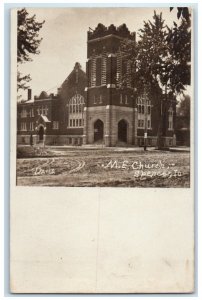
x: 44, y: 118
x: 72, y: 76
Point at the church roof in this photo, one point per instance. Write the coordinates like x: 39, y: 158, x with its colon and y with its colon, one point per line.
x: 72, y: 76
x: 45, y: 119
x: 43, y: 95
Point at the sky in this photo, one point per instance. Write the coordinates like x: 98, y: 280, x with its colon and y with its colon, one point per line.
x: 64, y: 41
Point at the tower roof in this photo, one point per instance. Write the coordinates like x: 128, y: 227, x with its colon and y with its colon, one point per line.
x: 101, y: 31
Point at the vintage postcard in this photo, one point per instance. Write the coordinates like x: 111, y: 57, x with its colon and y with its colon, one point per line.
x: 102, y: 135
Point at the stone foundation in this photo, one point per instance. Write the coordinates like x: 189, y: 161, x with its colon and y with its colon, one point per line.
x: 51, y: 140
x: 24, y: 139
x: 152, y: 141
x: 108, y: 140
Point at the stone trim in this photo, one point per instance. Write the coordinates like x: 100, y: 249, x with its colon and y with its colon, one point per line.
x: 104, y: 38
x: 95, y: 108
x: 111, y: 86
x: 113, y: 107
x: 121, y: 108
x: 96, y: 86
x: 112, y: 55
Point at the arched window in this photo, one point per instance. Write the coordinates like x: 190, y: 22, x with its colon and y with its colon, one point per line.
x: 75, y: 111
x: 144, y: 111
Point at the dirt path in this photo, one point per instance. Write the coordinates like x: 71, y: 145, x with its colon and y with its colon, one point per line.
x: 103, y: 167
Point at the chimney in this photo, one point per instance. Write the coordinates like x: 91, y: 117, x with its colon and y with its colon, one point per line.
x: 29, y: 94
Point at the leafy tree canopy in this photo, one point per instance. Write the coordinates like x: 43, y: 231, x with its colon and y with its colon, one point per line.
x: 161, y: 57
x: 28, y: 42
x: 149, y: 55
x: 182, y: 12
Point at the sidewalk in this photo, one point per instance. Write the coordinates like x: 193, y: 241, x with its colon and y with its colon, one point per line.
x: 179, y: 149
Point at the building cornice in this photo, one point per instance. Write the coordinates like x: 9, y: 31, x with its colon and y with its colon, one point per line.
x: 104, y: 38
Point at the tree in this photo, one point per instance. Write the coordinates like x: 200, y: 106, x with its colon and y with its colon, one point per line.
x: 160, y: 61
x: 149, y: 57
x: 22, y: 81
x: 182, y: 12
x: 179, y: 42
x: 162, y: 55
x: 28, y: 42
x: 151, y: 61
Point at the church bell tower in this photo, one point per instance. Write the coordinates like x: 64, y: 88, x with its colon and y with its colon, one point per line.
x: 110, y: 113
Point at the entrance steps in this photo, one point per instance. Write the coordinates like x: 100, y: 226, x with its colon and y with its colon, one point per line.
x: 94, y: 145
x: 40, y: 144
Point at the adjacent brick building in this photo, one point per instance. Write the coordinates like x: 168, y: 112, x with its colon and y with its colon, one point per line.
x: 54, y: 119
x: 92, y: 107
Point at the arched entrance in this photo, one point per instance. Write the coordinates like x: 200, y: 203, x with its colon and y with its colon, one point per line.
x: 98, y: 130
x: 122, y: 131
x: 41, y: 133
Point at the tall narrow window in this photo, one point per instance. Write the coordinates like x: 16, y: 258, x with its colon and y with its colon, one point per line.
x: 23, y: 126
x: 104, y: 69
x: 129, y: 74
x: 126, y: 99
x: 46, y: 110
x: 55, y: 125
x: 31, y: 126
x: 170, y: 118
x: 23, y: 113
x: 121, y: 99
x: 93, y: 72
x: 119, y: 68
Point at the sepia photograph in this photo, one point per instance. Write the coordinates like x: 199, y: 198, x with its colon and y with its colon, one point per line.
x: 103, y: 97
x: 102, y: 149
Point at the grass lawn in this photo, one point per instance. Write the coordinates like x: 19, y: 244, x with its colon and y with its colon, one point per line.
x: 103, y: 167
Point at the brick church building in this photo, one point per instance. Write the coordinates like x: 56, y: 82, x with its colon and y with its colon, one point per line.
x: 92, y: 108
